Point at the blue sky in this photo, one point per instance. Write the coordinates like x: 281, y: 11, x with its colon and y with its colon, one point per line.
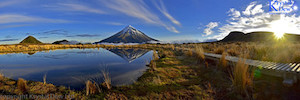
x: 165, y: 20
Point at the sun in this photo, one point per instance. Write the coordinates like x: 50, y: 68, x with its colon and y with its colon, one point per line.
x: 279, y: 27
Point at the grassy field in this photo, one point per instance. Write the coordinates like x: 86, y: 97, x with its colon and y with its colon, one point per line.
x: 276, y: 52
x: 177, y: 72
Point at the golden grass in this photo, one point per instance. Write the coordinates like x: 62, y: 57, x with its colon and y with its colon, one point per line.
x: 219, y: 50
x: 189, y: 52
x: 152, y: 65
x: 241, y: 77
x: 90, y: 88
x: 107, y: 79
x: 223, y: 60
x: 116, y: 96
x: 277, y: 52
x: 155, y: 55
x: 31, y: 48
x: 200, y: 52
x: 45, y: 78
x: 22, y: 85
x: 168, y: 53
x: 1, y: 76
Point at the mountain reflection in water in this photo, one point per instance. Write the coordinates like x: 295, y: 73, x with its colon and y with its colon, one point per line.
x: 129, y: 54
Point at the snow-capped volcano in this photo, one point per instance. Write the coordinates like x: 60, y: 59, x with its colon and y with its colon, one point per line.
x: 130, y: 30
x: 128, y: 35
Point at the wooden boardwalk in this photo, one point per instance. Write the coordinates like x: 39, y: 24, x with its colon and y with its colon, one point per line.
x: 291, y: 67
x: 290, y: 72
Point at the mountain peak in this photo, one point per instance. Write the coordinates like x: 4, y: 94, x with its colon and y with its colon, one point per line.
x: 30, y: 40
x: 128, y: 35
x: 129, y: 26
x: 131, y: 30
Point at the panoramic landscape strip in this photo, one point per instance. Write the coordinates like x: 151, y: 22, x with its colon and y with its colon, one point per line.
x: 149, y: 50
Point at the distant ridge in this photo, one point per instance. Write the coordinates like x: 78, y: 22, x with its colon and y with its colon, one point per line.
x: 259, y: 36
x: 128, y: 35
x: 66, y: 42
x: 30, y: 40
x: 61, y: 42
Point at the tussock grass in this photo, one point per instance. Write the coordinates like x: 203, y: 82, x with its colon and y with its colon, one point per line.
x: 91, y: 88
x: 285, y: 52
x: 223, y: 60
x: 152, y: 65
x: 44, y: 79
x: 200, y: 52
x: 172, y: 47
x: 157, y: 80
x: 241, y: 77
x: 219, y: 50
x: 1, y: 76
x: 189, y: 52
x: 22, y: 85
x: 107, y: 80
x: 155, y: 55
x: 116, y: 96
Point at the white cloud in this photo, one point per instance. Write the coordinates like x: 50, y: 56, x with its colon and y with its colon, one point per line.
x: 161, y: 7
x: 137, y: 9
x: 75, y: 7
x: 253, y: 9
x: 249, y: 8
x: 234, y: 13
x: 114, y: 23
x: 254, y: 18
x: 6, y: 3
x: 257, y: 9
x: 209, y: 27
x: 171, y: 28
x: 16, y: 18
x: 12, y: 26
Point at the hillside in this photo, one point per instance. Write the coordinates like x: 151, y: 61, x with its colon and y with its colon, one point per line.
x: 61, y: 42
x: 30, y: 40
x: 261, y: 36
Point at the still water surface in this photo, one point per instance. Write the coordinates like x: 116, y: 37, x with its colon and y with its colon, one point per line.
x: 72, y: 67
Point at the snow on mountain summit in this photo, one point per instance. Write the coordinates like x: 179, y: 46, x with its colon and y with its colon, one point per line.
x: 131, y: 30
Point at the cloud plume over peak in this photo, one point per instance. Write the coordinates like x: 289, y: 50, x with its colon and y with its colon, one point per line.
x: 74, y: 7
x: 138, y: 9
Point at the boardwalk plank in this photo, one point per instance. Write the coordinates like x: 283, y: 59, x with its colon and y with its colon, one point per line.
x: 276, y: 66
x: 298, y: 70
x: 272, y: 65
x: 282, y: 66
x: 292, y: 65
x: 296, y: 67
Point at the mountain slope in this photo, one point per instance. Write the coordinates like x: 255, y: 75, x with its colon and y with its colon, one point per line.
x: 30, y: 40
x: 128, y: 35
x: 259, y: 36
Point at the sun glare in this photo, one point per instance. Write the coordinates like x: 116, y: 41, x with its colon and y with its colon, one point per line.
x: 278, y: 27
